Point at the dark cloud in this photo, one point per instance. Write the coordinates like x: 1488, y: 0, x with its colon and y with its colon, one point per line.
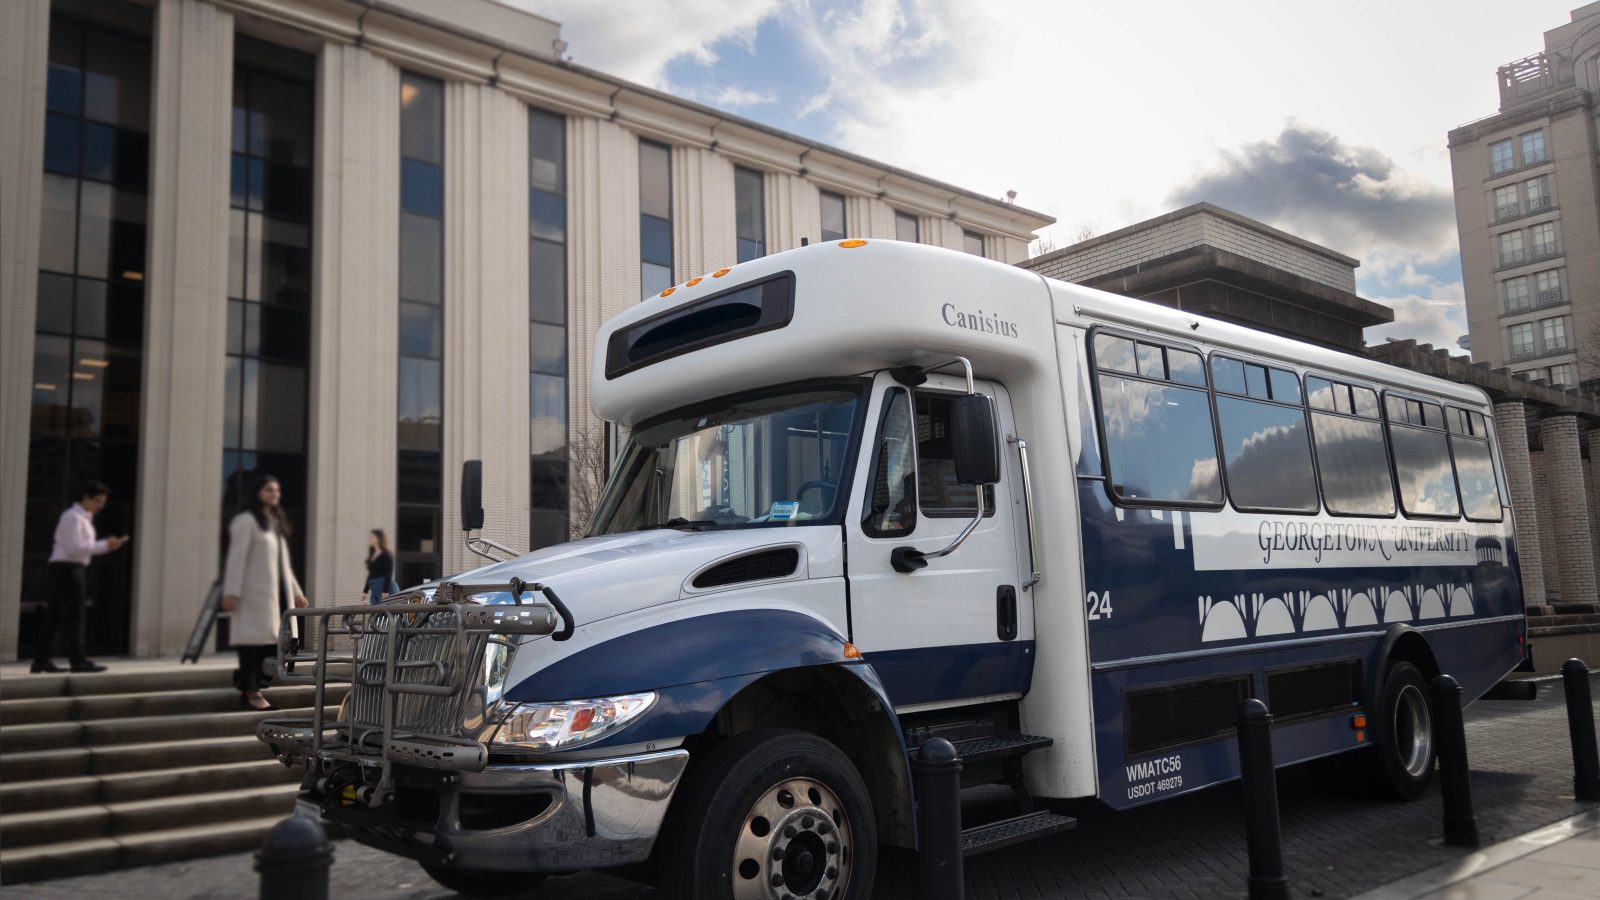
x: 1309, y: 182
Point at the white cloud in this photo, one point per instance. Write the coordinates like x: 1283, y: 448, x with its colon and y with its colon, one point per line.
x: 636, y: 40
x: 735, y: 98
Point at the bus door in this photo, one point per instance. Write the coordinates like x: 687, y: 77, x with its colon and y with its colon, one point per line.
x: 959, y: 629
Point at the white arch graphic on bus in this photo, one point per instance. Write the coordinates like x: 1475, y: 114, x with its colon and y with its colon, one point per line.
x: 1307, y: 611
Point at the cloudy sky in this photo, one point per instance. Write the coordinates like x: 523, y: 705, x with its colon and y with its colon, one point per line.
x: 1327, y: 120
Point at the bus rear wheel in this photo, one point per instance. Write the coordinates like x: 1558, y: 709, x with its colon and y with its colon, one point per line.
x: 770, y: 814
x: 1406, y: 748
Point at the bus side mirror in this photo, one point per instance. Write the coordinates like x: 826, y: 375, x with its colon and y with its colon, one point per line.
x: 472, y: 495
x: 975, y: 442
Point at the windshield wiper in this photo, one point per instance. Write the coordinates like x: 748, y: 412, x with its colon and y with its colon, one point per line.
x: 680, y: 522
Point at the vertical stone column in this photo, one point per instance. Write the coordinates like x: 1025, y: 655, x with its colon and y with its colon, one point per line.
x: 355, y: 316
x: 485, y: 312
x: 1546, y: 524
x: 24, y: 64
x: 794, y: 211
x: 1511, y: 429
x: 1569, y: 508
x: 1591, y: 439
x: 704, y: 232
x: 602, y: 252
x: 186, y: 315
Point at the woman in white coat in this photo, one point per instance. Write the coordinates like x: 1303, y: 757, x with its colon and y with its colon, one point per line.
x: 257, y: 584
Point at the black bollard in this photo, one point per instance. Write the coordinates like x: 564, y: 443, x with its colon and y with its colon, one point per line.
x: 1580, y: 724
x: 1460, y: 825
x: 938, y: 770
x: 1262, y: 831
x: 294, y: 860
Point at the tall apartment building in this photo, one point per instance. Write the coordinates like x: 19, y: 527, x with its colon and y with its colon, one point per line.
x: 1528, y: 211
x: 351, y: 244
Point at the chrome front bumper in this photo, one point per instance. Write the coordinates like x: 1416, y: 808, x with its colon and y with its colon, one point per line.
x: 590, y: 814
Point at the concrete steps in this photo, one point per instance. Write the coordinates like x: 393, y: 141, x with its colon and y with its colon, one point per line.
x: 148, y: 762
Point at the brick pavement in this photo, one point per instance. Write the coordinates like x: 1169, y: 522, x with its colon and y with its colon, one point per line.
x: 1335, y: 844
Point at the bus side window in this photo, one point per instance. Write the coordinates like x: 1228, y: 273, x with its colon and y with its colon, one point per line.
x: 892, y: 504
x: 1469, y: 443
x: 1352, y: 460
x: 1422, y: 459
x: 1160, y: 444
x: 1266, y: 454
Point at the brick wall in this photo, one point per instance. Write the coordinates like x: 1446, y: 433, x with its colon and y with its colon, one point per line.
x: 1569, y: 508
x: 1511, y: 428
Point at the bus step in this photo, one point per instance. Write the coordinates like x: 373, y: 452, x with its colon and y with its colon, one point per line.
x: 1006, y: 832
x: 998, y: 746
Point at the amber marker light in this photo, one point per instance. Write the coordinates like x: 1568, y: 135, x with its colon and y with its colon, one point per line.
x: 853, y: 243
x: 693, y: 281
x: 1359, y: 720
x: 851, y: 652
x: 720, y: 272
x: 668, y: 292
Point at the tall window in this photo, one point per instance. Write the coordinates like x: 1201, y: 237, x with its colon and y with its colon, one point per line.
x: 90, y: 327
x: 421, y: 466
x: 1500, y: 157
x: 1516, y: 293
x: 1511, y: 251
x: 1505, y: 202
x: 907, y: 228
x: 1533, y: 147
x: 1544, y: 239
x: 1538, y: 192
x: 1521, y: 340
x: 655, y: 218
x: 547, y: 327
x: 1156, y: 419
x: 269, y: 276
x: 1548, y: 283
x: 750, y: 213
x: 1555, y: 333
x: 972, y: 242
x: 833, y: 220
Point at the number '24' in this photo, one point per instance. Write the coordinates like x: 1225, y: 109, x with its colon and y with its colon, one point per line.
x: 1099, y: 605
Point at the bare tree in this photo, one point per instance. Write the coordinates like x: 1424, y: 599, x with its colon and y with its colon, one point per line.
x: 1589, y: 351
x: 1084, y: 233
x: 588, y: 466
x: 1041, y: 246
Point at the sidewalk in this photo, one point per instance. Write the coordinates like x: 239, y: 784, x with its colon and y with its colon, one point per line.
x: 1558, y: 862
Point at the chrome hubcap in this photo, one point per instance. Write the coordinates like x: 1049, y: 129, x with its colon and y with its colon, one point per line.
x: 1413, y: 730
x: 794, y: 845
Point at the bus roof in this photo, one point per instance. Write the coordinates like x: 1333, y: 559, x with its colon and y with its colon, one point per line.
x: 888, y: 303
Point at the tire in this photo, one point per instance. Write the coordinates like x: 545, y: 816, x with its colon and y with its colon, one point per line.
x: 1406, y: 748
x: 484, y: 884
x: 764, y: 805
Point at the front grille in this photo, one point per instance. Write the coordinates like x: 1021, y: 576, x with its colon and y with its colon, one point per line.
x: 1167, y: 716
x: 427, y: 655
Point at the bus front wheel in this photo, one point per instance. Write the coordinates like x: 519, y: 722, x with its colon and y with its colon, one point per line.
x: 770, y: 814
x: 1406, y: 747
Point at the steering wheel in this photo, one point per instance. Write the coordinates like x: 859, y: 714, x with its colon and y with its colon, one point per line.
x: 826, y: 500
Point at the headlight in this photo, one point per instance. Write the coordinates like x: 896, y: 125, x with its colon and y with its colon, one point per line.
x: 561, y: 726
x: 496, y: 665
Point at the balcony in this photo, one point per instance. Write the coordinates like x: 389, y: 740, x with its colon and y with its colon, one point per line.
x: 1535, y: 157
x: 1523, y: 352
x: 1502, y: 166
x: 1552, y: 297
x: 1544, y: 249
x: 1513, y: 257
x: 1530, y: 77
x: 1501, y: 213
x: 1537, y: 203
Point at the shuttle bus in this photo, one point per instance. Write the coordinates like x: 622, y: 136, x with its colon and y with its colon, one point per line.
x: 874, y: 493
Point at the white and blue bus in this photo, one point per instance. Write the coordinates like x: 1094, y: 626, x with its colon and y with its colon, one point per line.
x: 874, y: 493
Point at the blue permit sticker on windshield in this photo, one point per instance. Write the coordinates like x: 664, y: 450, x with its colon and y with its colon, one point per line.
x: 783, y: 510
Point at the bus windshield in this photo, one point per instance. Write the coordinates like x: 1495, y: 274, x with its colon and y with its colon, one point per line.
x: 774, y: 460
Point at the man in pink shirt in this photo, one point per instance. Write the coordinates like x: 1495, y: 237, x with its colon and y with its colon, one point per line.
x: 75, y: 545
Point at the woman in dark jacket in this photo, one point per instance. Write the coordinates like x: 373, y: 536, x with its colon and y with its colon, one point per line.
x: 380, y: 568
